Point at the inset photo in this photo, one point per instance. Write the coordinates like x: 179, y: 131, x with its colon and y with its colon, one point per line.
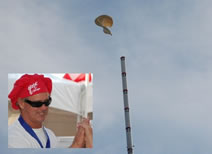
x: 50, y: 110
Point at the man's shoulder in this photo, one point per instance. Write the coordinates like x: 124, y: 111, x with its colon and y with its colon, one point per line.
x: 50, y: 132
x: 16, y: 136
x: 53, y: 138
x: 15, y: 129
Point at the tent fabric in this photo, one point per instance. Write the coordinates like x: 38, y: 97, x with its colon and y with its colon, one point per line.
x: 79, y: 77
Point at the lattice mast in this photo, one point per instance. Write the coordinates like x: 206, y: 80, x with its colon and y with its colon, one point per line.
x: 126, y: 106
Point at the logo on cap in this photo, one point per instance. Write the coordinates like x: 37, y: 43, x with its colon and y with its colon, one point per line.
x: 33, y: 88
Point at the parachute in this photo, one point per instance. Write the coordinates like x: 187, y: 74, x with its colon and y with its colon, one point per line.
x: 104, y: 21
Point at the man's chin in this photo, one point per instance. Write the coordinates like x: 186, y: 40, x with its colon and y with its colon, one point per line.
x: 41, y: 118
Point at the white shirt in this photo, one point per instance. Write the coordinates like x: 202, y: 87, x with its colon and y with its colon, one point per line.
x: 18, y: 137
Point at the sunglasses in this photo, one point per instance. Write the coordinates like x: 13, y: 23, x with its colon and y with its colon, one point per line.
x: 39, y: 103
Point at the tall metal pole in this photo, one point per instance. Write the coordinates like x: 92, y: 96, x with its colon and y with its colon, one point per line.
x: 126, y: 106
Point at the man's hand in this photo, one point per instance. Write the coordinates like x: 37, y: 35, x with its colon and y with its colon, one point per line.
x: 84, y: 135
x: 88, y: 133
x: 79, y: 139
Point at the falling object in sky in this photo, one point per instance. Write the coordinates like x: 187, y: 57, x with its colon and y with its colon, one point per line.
x: 104, y: 21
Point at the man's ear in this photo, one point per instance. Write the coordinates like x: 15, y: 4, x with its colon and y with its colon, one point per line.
x: 21, y: 103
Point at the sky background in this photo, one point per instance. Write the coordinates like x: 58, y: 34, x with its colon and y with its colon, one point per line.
x: 168, y: 49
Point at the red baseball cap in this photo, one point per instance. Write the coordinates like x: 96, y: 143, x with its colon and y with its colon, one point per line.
x: 29, y: 85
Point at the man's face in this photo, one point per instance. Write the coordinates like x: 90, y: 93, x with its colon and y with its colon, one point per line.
x: 35, y: 114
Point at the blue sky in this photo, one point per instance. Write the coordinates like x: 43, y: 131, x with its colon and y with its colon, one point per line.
x: 167, y: 45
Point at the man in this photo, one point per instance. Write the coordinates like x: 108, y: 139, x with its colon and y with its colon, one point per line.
x: 31, y: 95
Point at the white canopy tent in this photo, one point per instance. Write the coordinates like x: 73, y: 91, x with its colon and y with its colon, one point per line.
x: 70, y: 102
